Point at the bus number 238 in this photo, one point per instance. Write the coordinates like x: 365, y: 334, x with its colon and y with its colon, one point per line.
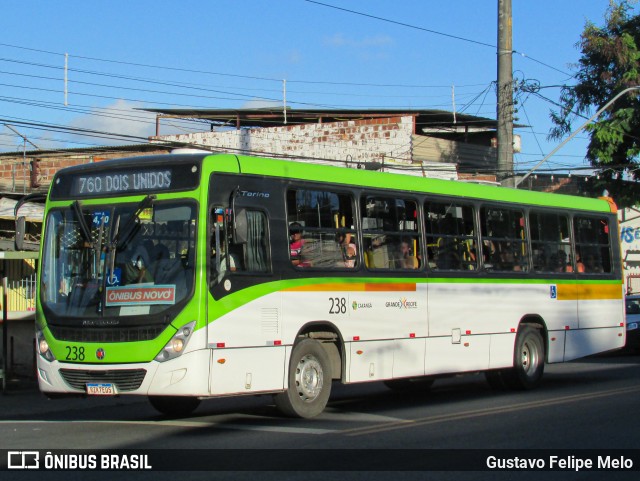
x: 338, y: 305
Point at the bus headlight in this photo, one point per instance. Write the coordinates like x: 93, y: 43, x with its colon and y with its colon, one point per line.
x: 42, y: 346
x: 177, y: 344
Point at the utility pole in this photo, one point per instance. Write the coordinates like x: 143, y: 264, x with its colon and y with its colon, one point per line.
x: 504, y: 108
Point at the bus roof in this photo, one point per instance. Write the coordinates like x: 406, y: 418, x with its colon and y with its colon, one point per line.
x: 363, y: 178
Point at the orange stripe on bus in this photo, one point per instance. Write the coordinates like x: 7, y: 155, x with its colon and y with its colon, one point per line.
x: 573, y: 292
x: 407, y: 286
x: 357, y: 287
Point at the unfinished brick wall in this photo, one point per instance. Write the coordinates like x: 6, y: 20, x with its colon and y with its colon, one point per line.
x: 367, y: 140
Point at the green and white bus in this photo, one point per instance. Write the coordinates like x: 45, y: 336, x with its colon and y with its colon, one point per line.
x: 191, y: 276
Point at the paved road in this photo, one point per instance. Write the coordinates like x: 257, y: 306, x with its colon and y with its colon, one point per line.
x: 589, y: 404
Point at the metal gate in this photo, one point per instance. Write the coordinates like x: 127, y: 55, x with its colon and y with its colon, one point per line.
x: 21, y: 295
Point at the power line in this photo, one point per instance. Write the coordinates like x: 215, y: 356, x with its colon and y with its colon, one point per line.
x: 223, y: 74
x: 402, y: 24
x: 435, y: 32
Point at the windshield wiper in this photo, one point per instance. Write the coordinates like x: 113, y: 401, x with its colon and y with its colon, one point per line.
x: 84, y: 228
x: 132, y: 223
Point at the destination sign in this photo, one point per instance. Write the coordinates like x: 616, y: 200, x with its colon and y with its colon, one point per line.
x: 119, y: 183
x: 114, y: 178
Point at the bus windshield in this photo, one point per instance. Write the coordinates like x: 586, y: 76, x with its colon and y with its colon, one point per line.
x: 113, y: 261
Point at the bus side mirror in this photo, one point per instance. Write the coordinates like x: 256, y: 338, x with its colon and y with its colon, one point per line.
x: 20, y: 232
x: 240, y: 227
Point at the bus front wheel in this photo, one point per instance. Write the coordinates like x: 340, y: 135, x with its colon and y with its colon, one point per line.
x: 308, y: 381
x: 174, y: 405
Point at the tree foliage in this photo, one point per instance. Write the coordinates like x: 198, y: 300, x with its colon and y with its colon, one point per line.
x: 610, y: 63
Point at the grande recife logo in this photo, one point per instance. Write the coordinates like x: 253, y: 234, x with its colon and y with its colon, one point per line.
x: 402, y: 304
x: 140, y: 295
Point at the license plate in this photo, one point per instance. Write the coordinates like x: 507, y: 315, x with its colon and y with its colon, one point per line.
x: 102, y: 389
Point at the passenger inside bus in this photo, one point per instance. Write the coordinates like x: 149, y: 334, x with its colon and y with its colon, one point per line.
x: 296, y: 243
x: 137, y: 268
x: 593, y: 265
x: 348, y: 249
x: 407, y: 259
x: 559, y: 262
x: 447, y: 256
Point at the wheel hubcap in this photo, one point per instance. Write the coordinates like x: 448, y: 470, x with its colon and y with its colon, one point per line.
x: 529, y: 359
x: 309, y: 378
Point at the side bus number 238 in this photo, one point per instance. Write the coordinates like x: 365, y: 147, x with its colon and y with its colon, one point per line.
x: 74, y: 353
x: 338, y: 305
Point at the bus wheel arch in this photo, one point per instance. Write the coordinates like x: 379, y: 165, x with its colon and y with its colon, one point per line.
x: 331, y: 340
x: 537, y: 322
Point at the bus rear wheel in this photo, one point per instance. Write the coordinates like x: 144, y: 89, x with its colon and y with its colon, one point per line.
x: 528, y: 360
x: 309, y: 381
x: 174, y: 405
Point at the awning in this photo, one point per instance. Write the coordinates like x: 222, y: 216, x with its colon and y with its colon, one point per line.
x: 32, y: 212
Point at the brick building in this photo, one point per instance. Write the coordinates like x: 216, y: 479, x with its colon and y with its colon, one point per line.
x: 430, y: 143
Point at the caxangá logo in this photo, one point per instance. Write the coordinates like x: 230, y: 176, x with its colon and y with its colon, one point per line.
x: 355, y: 305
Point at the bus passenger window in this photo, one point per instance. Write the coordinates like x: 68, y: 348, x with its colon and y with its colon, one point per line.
x: 550, y: 242
x: 451, y: 242
x: 321, y: 230
x: 229, y: 257
x: 593, y: 244
x: 390, y: 233
x: 503, y: 239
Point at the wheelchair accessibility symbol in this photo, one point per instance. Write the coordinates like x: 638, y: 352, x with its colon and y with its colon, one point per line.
x: 553, y: 292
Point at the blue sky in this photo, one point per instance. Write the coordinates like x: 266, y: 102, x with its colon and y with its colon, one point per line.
x: 230, y: 54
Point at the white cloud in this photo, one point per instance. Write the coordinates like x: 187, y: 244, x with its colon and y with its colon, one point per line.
x: 118, y: 118
x: 262, y: 104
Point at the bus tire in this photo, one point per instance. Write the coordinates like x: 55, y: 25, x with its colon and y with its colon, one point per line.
x: 528, y: 360
x: 176, y: 406
x: 309, y: 381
